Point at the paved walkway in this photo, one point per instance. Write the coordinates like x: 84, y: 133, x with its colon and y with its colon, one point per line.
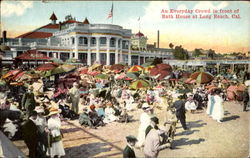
x: 207, y: 138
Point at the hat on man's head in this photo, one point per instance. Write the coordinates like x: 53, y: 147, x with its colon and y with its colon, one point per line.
x: 145, y: 106
x: 155, y: 119
x: 53, y: 111
x: 131, y: 138
x: 33, y: 113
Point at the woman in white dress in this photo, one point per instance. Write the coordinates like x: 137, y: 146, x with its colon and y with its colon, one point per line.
x: 218, y: 111
x: 109, y: 113
x: 144, y: 123
x: 54, y: 125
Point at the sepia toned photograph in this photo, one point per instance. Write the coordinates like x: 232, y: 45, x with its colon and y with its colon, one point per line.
x: 124, y: 79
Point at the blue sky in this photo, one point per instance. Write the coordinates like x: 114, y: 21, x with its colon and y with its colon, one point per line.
x: 225, y: 35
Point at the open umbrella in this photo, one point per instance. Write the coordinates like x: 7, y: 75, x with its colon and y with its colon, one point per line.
x: 46, y: 67
x: 62, y: 69
x: 161, y: 71
x: 11, y: 73
x: 19, y: 75
x: 139, y: 84
x: 117, y: 67
x: 202, y: 77
x: 135, y: 68
x: 95, y: 66
x: 132, y: 75
x: 148, y: 68
x: 102, y: 76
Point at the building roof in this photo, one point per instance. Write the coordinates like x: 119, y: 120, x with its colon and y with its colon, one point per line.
x: 86, y: 21
x: 53, y: 17
x: 32, y: 55
x: 40, y: 34
x: 139, y: 34
x: 36, y: 35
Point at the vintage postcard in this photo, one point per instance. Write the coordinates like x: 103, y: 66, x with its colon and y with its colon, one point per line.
x: 82, y: 79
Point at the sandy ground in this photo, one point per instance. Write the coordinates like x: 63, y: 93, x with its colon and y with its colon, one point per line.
x: 206, y: 138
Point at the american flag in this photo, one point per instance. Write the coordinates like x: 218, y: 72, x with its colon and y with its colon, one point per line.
x: 111, y: 12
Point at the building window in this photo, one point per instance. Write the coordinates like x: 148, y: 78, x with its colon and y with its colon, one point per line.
x: 103, y: 40
x: 81, y: 40
x: 73, y: 40
x: 85, y: 40
x: 112, y: 42
x: 93, y: 41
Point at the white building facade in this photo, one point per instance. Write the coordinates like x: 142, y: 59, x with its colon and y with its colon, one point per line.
x: 87, y: 43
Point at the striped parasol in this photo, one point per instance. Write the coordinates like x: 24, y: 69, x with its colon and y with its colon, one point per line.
x: 139, y: 84
x: 135, y: 68
x: 202, y: 77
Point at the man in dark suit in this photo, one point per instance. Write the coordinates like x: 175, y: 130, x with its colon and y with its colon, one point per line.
x: 30, y: 134
x: 28, y: 102
x: 128, y: 152
x: 153, y: 124
x: 245, y: 99
x: 180, y: 111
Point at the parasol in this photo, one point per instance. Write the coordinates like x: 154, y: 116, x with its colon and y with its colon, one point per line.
x: 161, y: 70
x: 117, y: 67
x: 202, y: 77
x: 139, y: 84
x: 11, y: 73
x: 135, y: 68
x: 46, y: 67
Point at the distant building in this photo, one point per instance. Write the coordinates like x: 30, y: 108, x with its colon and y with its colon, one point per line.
x: 88, y: 43
x: 139, y: 41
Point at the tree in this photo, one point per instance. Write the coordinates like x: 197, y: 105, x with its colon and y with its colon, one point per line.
x: 180, y: 53
x: 197, y: 52
x: 171, y: 45
x: 211, y: 54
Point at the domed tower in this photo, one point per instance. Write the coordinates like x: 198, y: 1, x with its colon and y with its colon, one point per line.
x: 53, y: 18
x: 139, y: 41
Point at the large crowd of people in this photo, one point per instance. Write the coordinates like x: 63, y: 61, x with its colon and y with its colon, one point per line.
x: 34, y: 111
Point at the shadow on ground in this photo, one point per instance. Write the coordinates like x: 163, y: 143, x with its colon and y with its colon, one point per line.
x: 87, y: 150
x: 187, y: 132
x: 186, y: 141
x: 233, y: 117
x: 194, y: 124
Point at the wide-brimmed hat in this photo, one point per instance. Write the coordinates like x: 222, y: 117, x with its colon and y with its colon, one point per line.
x: 39, y: 109
x: 53, y: 111
x: 145, y: 106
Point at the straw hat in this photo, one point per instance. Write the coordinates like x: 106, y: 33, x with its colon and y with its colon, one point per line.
x: 145, y: 106
x: 109, y: 104
x: 53, y: 111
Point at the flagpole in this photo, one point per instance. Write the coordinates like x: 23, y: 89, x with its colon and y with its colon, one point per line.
x: 112, y: 11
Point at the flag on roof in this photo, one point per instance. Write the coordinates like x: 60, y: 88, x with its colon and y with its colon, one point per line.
x: 111, y: 12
